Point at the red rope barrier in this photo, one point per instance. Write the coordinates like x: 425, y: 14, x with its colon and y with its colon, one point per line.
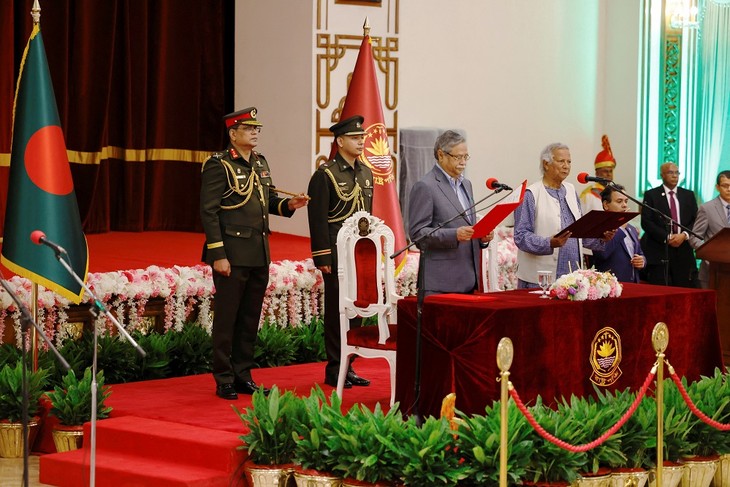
x: 587, y: 446
x: 692, y: 407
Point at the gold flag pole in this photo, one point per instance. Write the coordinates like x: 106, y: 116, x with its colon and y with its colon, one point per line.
x: 505, y: 352
x: 33, y: 331
x: 35, y: 12
x: 660, y: 340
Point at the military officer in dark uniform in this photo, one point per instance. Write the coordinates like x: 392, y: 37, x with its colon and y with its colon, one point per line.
x: 338, y: 188
x: 236, y: 198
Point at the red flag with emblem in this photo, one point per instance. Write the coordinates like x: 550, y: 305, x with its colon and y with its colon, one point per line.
x: 363, y: 98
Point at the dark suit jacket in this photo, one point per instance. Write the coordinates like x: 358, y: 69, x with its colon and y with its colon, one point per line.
x: 233, y: 229
x: 682, y: 265
x: 616, y: 256
x: 450, y: 266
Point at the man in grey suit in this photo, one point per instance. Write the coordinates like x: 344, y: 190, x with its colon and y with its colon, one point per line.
x: 451, y: 263
x: 712, y: 217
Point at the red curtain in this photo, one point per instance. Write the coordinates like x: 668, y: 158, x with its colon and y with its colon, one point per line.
x: 141, y: 88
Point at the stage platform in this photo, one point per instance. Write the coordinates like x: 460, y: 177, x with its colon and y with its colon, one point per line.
x: 155, y: 425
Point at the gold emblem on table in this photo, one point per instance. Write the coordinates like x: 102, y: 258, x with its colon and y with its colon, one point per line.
x: 605, y: 357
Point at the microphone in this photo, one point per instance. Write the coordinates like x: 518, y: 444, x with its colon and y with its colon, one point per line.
x: 493, y: 184
x: 584, y: 178
x: 39, y: 238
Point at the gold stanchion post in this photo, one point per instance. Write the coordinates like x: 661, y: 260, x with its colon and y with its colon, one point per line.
x: 505, y: 353
x: 660, y: 340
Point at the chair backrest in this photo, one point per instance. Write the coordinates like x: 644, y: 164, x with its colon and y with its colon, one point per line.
x: 364, y: 268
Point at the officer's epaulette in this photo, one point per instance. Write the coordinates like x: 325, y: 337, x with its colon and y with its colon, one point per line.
x: 216, y: 155
x: 327, y: 164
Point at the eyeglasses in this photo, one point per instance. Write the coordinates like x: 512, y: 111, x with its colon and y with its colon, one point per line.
x: 672, y: 173
x: 251, y: 128
x: 724, y: 186
x: 562, y: 161
x: 460, y: 157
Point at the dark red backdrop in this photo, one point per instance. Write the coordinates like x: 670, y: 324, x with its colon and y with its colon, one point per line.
x: 130, y: 79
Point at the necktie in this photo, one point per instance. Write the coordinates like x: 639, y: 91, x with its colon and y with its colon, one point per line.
x: 728, y: 214
x: 464, y: 200
x: 673, y: 209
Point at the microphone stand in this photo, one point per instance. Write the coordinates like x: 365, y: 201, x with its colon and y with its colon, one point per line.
x: 668, y: 222
x: 25, y: 321
x: 420, y: 295
x: 97, y: 307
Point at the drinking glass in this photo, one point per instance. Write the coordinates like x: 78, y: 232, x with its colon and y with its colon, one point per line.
x: 544, y: 279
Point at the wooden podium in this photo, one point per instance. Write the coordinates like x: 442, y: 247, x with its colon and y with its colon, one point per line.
x: 717, y: 252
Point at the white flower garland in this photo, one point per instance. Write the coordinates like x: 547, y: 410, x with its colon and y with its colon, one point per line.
x: 294, y: 295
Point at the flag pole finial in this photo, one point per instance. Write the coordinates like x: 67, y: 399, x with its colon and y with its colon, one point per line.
x: 366, y: 27
x: 35, y: 12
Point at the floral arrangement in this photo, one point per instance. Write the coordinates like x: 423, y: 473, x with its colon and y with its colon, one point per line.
x: 586, y: 284
x: 294, y: 295
x: 504, y: 237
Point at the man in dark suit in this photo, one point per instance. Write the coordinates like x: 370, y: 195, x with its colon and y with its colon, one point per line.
x: 670, y: 259
x: 712, y: 217
x: 452, y: 256
x: 622, y: 254
x: 339, y: 188
x: 236, y: 197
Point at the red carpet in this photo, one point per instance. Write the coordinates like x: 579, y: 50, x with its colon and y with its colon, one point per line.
x: 138, y: 250
x: 156, y: 424
x: 115, y: 251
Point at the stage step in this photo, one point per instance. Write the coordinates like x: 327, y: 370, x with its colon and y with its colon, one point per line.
x: 132, y: 451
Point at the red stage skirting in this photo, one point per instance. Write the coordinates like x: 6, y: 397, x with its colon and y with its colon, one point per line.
x: 197, y: 421
x: 552, y: 342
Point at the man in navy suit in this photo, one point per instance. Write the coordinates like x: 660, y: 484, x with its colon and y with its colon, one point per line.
x: 670, y: 259
x: 452, y: 256
x: 622, y: 255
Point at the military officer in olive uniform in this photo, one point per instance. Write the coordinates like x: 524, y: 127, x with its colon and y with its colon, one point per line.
x: 338, y: 188
x: 236, y: 198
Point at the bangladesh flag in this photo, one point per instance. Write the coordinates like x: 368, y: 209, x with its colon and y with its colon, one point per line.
x: 40, y: 191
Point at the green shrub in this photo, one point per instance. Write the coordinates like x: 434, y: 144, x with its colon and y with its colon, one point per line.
x: 275, y: 346
x: 479, y: 444
x: 309, y: 342
x: 11, y: 391
x: 156, y: 363
x: 191, y: 351
x: 71, y: 401
x: 271, y: 421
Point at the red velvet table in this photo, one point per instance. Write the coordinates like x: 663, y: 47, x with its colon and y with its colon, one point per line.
x: 552, y: 342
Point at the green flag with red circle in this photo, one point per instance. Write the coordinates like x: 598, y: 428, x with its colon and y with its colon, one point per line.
x: 41, y: 193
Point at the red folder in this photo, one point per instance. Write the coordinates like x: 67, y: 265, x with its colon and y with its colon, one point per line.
x: 499, y: 212
x: 595, y: 222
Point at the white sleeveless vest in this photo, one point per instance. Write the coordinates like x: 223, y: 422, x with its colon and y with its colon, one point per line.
x: 547, y: 222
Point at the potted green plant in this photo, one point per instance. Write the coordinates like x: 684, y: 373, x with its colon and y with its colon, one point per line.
x: 270, y: 441
x: 549, y: 463
x: 711, y: 396
x: 594, y: 421
x: 676, y: 429
x: 11, y: 407
x: 71, y: 405
x: 478, y: 442
x: 638, y: 436
x: 430, y: 454
x: 314, y: 459
x: 365, y: 443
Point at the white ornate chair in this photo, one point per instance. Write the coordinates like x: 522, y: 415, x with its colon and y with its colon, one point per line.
x: 366, y: 276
